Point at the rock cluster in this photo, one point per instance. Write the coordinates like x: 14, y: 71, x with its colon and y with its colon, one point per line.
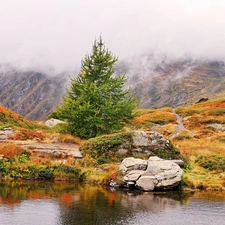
x: 152, y: 174
x: 148, y: 143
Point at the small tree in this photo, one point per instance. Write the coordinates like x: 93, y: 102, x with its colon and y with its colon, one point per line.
x: 96, y: 102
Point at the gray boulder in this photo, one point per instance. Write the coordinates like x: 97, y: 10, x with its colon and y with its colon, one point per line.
x: 149, y: 143
x: 53, y: 122
x: 133, y: 175
x: 147, y: 139
x: 131, y: 163
x: 159, y: 173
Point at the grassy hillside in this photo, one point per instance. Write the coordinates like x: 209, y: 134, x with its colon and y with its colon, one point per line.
x: 202, y: 143
x: 9, y: 118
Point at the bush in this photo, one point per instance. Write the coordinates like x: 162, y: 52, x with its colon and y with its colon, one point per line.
x: 169, y: 153
x: 45, y: 173
x: 104, y: 148
x: 68, y: 172
x: 68, y: 138
x: 9, y: 150
x: 212, y: 162
x: 5, y: 165
x: 189, y: 111
x: 25, y: 157
x: 222, y: 139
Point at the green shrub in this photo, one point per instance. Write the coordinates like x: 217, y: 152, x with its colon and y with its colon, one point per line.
x: 68, y: 172
x: 5, y: 165
x: 212, y: 162
x: 24, y: 158
x: 222, y: 139
x: 45, y: 173
x: 170, y: 152
x: 182, y: 137
x: 98, y: 146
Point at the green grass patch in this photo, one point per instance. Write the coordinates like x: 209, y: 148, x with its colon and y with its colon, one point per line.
x: 189, y: 111
x: 212, y: 162
x: 217, y: 112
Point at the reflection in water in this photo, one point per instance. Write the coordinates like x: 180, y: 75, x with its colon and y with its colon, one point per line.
x: 31, y: 203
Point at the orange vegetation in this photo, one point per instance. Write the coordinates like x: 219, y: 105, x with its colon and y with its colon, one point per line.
x: 146, y: 117
x: 9, y: 150
x: 24, y: 134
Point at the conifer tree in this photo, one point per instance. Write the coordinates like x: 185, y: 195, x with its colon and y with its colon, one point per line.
x: 96, y: 102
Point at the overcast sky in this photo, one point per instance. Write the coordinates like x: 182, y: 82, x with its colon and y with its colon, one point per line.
x: 58, y: 33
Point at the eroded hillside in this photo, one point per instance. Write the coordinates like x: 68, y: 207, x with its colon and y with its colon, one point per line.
x: 178, y: 83
x: 31, y: 94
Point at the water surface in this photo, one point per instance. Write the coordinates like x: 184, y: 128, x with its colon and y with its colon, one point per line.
x: 59, y: 203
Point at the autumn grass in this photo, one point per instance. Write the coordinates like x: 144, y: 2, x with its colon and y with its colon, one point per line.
x: 145, y: 118
x: 68, y: 138
x: 185, y: 134
x: 9, y: 118
x: 204, y: 148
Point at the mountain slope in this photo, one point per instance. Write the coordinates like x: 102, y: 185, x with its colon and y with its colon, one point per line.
x: 179, y: 83
x: 32, y: 94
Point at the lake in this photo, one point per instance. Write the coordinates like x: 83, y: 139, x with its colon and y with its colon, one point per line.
x: 61, y: 203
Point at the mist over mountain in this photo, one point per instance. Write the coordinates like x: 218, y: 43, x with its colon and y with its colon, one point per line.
x: 174, y: 83
x: 155, y: 83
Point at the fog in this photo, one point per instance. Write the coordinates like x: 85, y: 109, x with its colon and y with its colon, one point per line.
x: 57, y: 34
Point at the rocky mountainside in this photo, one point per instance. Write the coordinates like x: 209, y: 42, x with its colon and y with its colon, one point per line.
x: 31, y: 94
x: 178, y: 83
x: 155, y: 84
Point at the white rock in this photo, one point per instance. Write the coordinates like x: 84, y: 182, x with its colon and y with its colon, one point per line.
x: 146, y: 183
x: 133, y: 175
x: 53, y: 122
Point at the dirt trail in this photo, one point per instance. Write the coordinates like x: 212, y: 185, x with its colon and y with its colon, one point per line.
x: 41, y: 147
x: 180, y: 126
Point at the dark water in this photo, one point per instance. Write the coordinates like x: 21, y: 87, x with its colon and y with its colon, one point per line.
x: 37, y: 203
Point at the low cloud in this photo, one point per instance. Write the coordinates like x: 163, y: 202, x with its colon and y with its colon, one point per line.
x: 57, y: 34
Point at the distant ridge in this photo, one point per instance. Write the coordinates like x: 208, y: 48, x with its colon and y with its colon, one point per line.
x: 31, y: 94
x: 155, y: 84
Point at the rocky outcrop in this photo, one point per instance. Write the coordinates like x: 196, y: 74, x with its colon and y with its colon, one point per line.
x: 5, y: 133
x: 148, y: 143
x: 53, y: 122
x: 159, y: 174
x: 131, y: 163
x: 55, y: 150
x: 152, y: 140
